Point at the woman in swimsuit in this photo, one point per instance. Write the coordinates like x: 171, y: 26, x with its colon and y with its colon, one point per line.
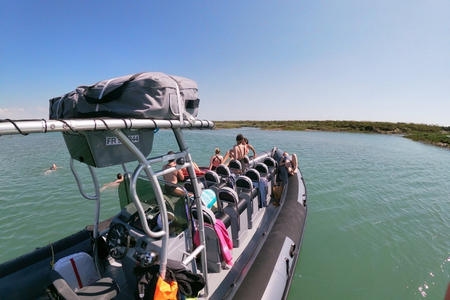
x: 215, y: 160
x: 249, y: 147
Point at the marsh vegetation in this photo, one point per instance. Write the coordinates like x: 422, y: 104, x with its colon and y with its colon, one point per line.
x: 430, y: 134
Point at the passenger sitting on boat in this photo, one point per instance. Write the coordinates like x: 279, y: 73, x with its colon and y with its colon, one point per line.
x: 172, y: 179
x: 287, y: 163
x: 196, y: 167
x: 228, y: 156
x: 249, y: 147
x: 239, y: 151
x: 215, y: 160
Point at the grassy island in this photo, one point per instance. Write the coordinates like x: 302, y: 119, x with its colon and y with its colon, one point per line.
x: 430, y: 134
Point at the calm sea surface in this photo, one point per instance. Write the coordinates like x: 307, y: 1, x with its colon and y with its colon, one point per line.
x: 378, y: 224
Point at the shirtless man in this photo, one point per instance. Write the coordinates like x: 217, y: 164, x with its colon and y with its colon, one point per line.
x: 173, y: 178
x: 239, y: 151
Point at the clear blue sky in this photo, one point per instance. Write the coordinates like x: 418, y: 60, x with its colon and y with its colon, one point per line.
x: 377, y: 60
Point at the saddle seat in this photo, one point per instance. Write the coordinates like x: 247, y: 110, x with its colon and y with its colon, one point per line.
x: 75, y: 277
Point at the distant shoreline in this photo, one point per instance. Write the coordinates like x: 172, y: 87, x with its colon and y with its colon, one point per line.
x: 429, y: 134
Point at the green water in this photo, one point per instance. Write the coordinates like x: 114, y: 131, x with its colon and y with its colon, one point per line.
x: 378, y: 224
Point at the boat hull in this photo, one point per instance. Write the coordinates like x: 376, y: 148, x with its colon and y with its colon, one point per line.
x: 271, y: 268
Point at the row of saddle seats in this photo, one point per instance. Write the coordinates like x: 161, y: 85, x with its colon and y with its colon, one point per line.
x: 238, y: 193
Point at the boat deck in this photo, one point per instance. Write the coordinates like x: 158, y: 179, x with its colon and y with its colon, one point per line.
x: 252, y: 257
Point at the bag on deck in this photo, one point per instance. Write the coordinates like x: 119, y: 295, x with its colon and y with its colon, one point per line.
x: 151, y: 95
x: 165, y: 290
x: 178, y: 281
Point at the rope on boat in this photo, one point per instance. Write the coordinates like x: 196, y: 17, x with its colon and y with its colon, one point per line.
x: 15, y: 125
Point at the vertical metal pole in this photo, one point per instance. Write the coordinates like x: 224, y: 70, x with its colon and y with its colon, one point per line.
x: 163, y: 211
x: 198, y: 203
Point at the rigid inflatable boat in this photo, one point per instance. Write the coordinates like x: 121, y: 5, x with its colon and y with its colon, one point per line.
x: 231, y: 233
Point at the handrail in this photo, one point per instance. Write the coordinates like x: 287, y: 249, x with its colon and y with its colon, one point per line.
x: 193, y: 255
x: 139, y: 207
x: 95, y: 197
x: 79, y: 184
x: 143, y: 164
x: 198, y: 203
x: 11, y: 127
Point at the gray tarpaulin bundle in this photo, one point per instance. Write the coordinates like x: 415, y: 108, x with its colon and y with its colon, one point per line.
x: 149, y: 95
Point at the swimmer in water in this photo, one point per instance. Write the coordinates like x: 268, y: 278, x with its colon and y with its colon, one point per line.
x: 114, y: 183
x: 52, y: 168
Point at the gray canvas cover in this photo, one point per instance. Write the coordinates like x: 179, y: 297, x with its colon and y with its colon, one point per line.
x: 149, y: 95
